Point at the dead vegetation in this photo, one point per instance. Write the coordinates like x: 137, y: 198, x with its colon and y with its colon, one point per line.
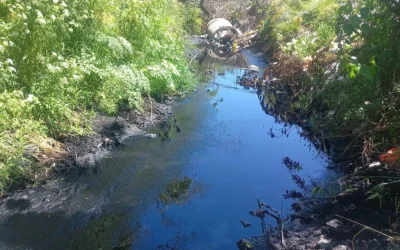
x: 245, y: 15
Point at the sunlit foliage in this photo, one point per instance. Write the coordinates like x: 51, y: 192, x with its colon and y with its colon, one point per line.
x: 61, y: 61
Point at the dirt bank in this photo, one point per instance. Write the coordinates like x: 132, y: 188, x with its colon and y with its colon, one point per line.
x: 84, y: 152
x: 342, y: 215
x: 110, y: 132
x: 317, y: 223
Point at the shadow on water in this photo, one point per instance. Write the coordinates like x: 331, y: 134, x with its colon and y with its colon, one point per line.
x: 39, y: 231
x: 189, y: 192
x: 18, y: 204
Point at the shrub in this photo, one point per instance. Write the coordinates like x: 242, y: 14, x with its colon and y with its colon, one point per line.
x: 74, y: 57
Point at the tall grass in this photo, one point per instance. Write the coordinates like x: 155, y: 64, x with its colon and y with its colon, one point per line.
x: 349, y: 56
x: 62, y: 60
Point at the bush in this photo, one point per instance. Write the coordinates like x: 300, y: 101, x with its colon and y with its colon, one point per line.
x: 75, y: 57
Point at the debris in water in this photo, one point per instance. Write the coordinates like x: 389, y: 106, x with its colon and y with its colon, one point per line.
x: 375, y: 164
x: 151, y: 136
x: 245, y: 223
x: 253, y: 68
x: 178, y: 129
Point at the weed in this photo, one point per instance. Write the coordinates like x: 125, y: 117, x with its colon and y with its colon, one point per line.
x: 62, y: 61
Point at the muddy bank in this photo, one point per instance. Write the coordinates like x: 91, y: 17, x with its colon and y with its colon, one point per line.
x: 346, y: 212
x: 110, y: 132
x: 59, y: 197
x: 85, y: 152
x: 325, y: 223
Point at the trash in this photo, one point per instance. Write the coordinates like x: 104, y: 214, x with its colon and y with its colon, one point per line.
x: 374, y: 164
x: 253, y: 68
x: 151, y: 136
x: 221, y: 29
x: 391, y: 156
x: 234, y: 47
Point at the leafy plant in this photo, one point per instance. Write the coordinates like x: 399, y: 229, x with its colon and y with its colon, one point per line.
x: 73, y: 58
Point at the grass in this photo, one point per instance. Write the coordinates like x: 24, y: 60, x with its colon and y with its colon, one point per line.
x: 63, y: 61
x: 346, y: 77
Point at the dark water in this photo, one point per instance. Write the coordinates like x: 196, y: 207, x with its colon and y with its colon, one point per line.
x: 186, y: 193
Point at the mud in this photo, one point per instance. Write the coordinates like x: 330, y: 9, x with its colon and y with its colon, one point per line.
x: 333, y: 221
x: 319, y: 224
x: 84, y: 154
x: 110, y: 132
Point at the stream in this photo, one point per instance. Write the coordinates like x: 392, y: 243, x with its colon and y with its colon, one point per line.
x: 189, y: 192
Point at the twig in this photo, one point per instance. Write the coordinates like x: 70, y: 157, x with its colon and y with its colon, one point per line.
x: 323, y: 141
x: 354, y: 237
x: 262, y: 219
x: 277, y: 216
x: 270, y: 238
x: 369, y: 228
x: 194, y: 57
x: 282, y: 237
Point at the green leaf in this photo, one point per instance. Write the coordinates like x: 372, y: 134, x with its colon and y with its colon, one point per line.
x: 348, y: 9
x: 342, y: 9
x: 373, y: 62
x: 348, y: 29
x: 364, y: 12
x: 365, y: 29
x: 352, y: 69
x: 355, y: 21
x: 365, y: 70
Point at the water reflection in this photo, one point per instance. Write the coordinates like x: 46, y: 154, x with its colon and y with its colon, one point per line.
x: 178, y: 192
x: 152, y: 194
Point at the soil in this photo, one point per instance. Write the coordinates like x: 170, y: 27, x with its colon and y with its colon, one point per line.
x: 330, y: 223
x: 84, y: 152
x: 110, y: 132
x: 44, y: 200
x: 320, y: 224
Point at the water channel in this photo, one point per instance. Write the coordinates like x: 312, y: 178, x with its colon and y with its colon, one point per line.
x: 186, y: 193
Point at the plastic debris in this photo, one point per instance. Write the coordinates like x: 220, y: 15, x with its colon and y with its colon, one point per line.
x: 391, y: 156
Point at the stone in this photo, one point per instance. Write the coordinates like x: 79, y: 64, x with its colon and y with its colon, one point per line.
x: 323, y: 241
x: 334, y: 223
x: 340, y: 247
x: 86, y: 161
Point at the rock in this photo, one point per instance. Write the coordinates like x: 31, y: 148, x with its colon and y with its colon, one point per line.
x: 374, y: 164
x: 86, y: 161
x: 374, y: 244
x: 245, y: 223
x: 340, y: 247
x: 244, y: 244
x: 118, y: 141
x: 168, y: 101
x: 323, y: 242
x: 334, y: 223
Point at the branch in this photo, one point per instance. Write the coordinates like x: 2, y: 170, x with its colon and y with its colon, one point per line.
x: 369, y: 228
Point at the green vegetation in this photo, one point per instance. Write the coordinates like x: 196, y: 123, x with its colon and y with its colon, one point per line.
x: 177, y: 191
x: 340, y: 62
x: 63, y: 61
